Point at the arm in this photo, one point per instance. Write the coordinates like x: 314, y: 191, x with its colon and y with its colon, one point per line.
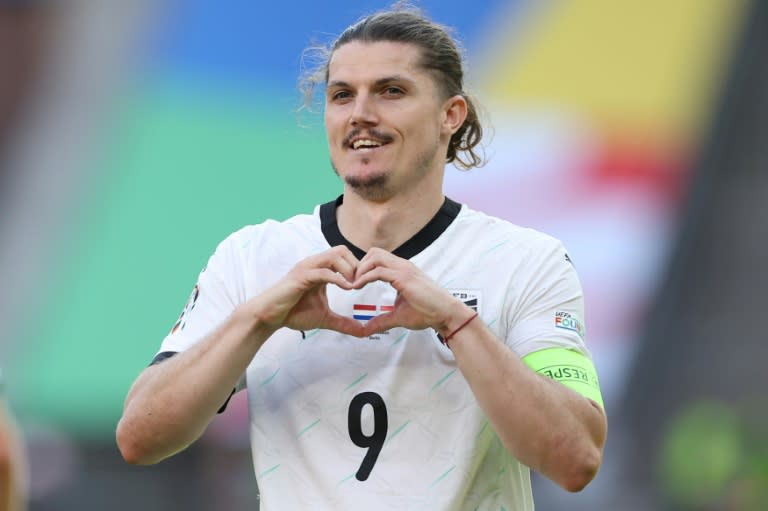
x: 544, y: 424
x: 171, y: 403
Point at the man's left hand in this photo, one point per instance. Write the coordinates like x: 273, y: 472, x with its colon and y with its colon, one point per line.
x: 421, y: 303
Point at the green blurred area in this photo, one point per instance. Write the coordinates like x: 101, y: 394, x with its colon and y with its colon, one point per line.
x: 714, y: 455
x: 180, y: 173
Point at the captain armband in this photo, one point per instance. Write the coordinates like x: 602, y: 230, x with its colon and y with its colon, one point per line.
x: 571, y: 368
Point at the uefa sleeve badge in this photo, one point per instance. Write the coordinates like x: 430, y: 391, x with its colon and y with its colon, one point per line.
x: 182, y: 321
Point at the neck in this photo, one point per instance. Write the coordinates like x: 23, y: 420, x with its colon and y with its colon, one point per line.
x: 386, y: 224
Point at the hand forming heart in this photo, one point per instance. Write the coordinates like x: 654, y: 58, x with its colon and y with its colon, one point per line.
x: 299, y: 300
x: 420, y: 303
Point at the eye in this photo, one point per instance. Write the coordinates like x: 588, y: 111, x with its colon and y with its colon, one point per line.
x: 340, y: 95
x: 393, y: 91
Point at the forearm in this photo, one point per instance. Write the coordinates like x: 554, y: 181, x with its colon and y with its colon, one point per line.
x: 171, y: 403
x: 545, y: 425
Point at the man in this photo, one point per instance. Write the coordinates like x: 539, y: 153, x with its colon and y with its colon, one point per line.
x: 12, y: 461
x: 390, y: 341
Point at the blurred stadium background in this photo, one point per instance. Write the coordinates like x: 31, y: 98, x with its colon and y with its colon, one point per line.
x: 134, y: 136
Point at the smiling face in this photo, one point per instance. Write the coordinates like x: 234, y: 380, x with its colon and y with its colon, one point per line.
x: 387, y: 121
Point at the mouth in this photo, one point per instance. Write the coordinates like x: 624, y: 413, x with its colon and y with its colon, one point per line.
x: 366, y: 143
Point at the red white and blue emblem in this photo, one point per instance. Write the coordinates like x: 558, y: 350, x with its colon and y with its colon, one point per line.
x: 365, y: 312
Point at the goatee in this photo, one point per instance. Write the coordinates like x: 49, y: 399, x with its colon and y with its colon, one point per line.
x: 372, y: 187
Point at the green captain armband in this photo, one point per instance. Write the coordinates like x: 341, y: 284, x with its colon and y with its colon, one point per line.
x: 571, y: 368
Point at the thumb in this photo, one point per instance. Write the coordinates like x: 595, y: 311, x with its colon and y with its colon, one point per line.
x: 344, y: 325
x: 381, y: 323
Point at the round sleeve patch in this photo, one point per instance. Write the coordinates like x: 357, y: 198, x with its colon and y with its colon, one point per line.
x: 182, y: 321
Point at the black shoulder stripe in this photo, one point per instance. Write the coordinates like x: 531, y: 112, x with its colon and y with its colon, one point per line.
x: 224, y: 406
x: 163, y: 355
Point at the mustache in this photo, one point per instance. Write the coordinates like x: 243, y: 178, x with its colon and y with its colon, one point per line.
x: 370, y: 132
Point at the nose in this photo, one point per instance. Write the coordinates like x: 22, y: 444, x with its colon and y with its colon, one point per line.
x: 363, y: 111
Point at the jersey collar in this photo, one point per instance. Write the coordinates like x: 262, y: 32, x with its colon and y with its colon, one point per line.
x: 421, y: 240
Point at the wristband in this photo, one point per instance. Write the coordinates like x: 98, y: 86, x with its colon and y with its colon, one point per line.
x: 448, y: 337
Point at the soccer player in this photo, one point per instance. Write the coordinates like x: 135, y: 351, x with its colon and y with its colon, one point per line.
x: 399, y: 350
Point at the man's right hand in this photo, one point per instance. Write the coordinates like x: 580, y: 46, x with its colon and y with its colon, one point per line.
x: 170, y: 404
x: 298, y: 300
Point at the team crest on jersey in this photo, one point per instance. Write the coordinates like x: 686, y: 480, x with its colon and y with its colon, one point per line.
x: 470, y: 297
x: 182, y: 321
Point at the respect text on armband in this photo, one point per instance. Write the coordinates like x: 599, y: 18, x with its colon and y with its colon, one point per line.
x: 570, y: 373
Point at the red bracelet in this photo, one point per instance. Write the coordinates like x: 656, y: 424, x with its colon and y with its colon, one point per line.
x: 447, y: 337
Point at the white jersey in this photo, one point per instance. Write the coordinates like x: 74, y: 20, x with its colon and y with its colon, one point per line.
x: 387, y: 422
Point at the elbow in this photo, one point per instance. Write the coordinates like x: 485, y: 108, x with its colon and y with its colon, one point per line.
x: 131, y: 448
x: 132, y: 456
x: 582, y: 471
x: 140, y: 447
x: 586, y: 455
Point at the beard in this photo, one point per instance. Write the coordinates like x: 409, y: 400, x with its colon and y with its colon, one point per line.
x: 373, y: 187
x: 377, y: 186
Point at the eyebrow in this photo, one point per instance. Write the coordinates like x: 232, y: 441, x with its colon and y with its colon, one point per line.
x: 377, y: 83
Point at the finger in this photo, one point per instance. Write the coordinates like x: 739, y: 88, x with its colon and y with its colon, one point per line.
x: 364, y: 267
x: 381, y: 323
x: 378, y: 257
x: 348, y: 256
x: 377, y: 273
x: 353, y: 261
x: 327, y: 276
x: 338, y: 258
x: 375, y: 252
x: 344, y: 325
x: 325, y: 257
x: 342, y: 266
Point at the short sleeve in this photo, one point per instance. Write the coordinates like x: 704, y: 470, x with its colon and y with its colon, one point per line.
x: 218, y: 291
x: 547, y: 302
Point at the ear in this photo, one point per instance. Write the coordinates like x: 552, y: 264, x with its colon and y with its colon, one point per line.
x: 455, y: 110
